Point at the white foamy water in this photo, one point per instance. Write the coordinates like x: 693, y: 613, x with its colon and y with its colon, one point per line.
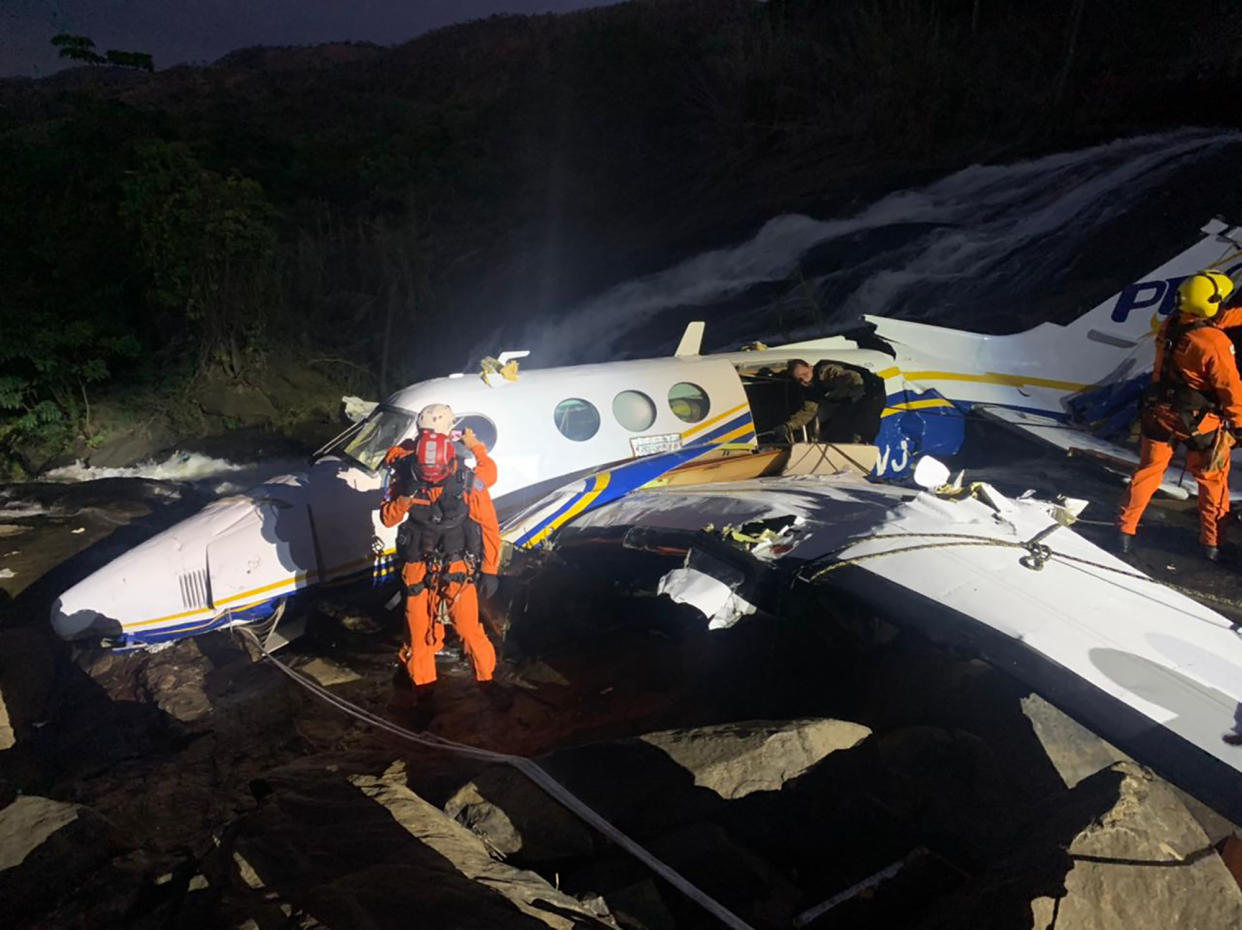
x: 180, y: 466
x: 954, y: 240
x: 219, y: 475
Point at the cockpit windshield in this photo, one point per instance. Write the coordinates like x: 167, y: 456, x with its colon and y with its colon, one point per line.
x: 383, y: 429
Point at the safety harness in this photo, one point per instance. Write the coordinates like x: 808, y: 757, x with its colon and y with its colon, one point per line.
x: 1171, y: 410
x: 439, y: 532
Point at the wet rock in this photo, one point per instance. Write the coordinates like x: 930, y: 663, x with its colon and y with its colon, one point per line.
x: 129, y: 446
x: 175, y: 679
x: 327, y: 672
x: 515, y: 817
x: 364, y: 850
x: 46, y: 846
x: 1146, y: 863
x: 735, y: 759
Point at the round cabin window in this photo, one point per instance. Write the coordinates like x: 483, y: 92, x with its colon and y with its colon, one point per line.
x: 688, y: 402
x: 634, y: 410
x: 484, y: 428
x: 577, y: 419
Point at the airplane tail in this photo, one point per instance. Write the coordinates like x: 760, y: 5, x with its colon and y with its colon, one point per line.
x: 1041, y: 367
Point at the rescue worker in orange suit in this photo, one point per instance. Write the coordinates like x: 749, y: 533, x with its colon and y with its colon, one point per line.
x: 450, y: 542
x: 1195, y: 399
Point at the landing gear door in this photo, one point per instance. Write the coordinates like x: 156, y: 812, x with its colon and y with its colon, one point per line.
x: 266, y: 554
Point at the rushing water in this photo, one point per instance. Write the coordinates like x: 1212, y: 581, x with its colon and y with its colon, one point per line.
x: 947, y: 253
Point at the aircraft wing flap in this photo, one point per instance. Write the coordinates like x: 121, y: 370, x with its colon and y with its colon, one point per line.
x: 1074, y: 440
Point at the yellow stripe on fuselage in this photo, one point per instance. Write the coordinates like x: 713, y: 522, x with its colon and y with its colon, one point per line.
x: 601, y: 482
x: 994, y: 377
x: 306, y: 576
x: 747, y: 427
x: 716, y: 419
x: 916, y: 405
x: 989, y: 377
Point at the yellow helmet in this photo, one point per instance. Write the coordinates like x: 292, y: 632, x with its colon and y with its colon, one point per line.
x: 1203, y: 292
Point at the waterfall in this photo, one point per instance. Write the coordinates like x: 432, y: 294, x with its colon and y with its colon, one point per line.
x: 946, y: 253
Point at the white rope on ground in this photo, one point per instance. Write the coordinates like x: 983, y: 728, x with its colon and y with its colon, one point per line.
x: 527, y: 767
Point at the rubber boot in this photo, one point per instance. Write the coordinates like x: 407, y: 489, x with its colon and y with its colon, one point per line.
x: 1125, y: 543
x: 402, y: 697
x: 1211, y: 553
x: 424, y: 708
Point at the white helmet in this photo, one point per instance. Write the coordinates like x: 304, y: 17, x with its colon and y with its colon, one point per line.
x: 436, y: 417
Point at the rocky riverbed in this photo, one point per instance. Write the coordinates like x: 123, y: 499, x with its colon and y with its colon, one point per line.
x: 776, y: 765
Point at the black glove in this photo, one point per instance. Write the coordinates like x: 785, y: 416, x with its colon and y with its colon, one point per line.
x: 488, y: 585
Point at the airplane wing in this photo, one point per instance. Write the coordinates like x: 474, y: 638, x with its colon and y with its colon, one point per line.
x: 1076, y: 440
x: 1147, y: 668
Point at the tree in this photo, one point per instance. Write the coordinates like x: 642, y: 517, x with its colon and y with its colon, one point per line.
x: 208, y: 244
x: 82, y: 48
x: 79, y: 48
x: 130, y: 59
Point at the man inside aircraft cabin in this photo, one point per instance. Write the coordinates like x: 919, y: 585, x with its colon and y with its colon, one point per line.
x: 836, y: 404
x: 449, y: 540
x: 1195, y: 400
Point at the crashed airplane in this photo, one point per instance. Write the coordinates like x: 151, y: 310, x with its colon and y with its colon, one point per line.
x: 629, y: 451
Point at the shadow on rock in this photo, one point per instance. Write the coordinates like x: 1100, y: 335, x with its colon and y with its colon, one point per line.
x: 352, y: 848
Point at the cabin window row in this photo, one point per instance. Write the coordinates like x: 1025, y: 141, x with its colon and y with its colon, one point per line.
x: 578, y: 419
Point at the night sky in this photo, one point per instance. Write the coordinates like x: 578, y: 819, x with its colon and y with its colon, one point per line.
x: 181, y: 31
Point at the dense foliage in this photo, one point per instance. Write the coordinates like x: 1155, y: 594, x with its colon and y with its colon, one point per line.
x: 388, y: 207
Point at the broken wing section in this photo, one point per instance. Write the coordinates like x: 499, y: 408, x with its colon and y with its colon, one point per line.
x: 1073, y: 439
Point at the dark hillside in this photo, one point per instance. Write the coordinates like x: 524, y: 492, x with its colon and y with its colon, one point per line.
x: 385, y: 209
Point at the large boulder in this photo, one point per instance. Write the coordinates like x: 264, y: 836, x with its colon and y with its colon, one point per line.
x: 364, y: 850
x: 1146, y: 863
x: 46, y: 848
x: 516, y: 818
x: 645, y: 785
x: 735, y: 759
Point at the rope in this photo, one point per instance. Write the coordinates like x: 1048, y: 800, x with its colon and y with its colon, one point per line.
x: 527, y: 767
x: 1038, y: 554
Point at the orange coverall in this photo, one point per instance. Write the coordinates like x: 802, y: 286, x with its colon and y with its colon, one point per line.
x: 1204, y: 357
x: 422, y: 610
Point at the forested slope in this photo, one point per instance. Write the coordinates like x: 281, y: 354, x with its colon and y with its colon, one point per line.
x: 371, y: 214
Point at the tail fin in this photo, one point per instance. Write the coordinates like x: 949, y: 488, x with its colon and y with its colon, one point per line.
x: 1128, y: 316
x: 1039, y: 368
